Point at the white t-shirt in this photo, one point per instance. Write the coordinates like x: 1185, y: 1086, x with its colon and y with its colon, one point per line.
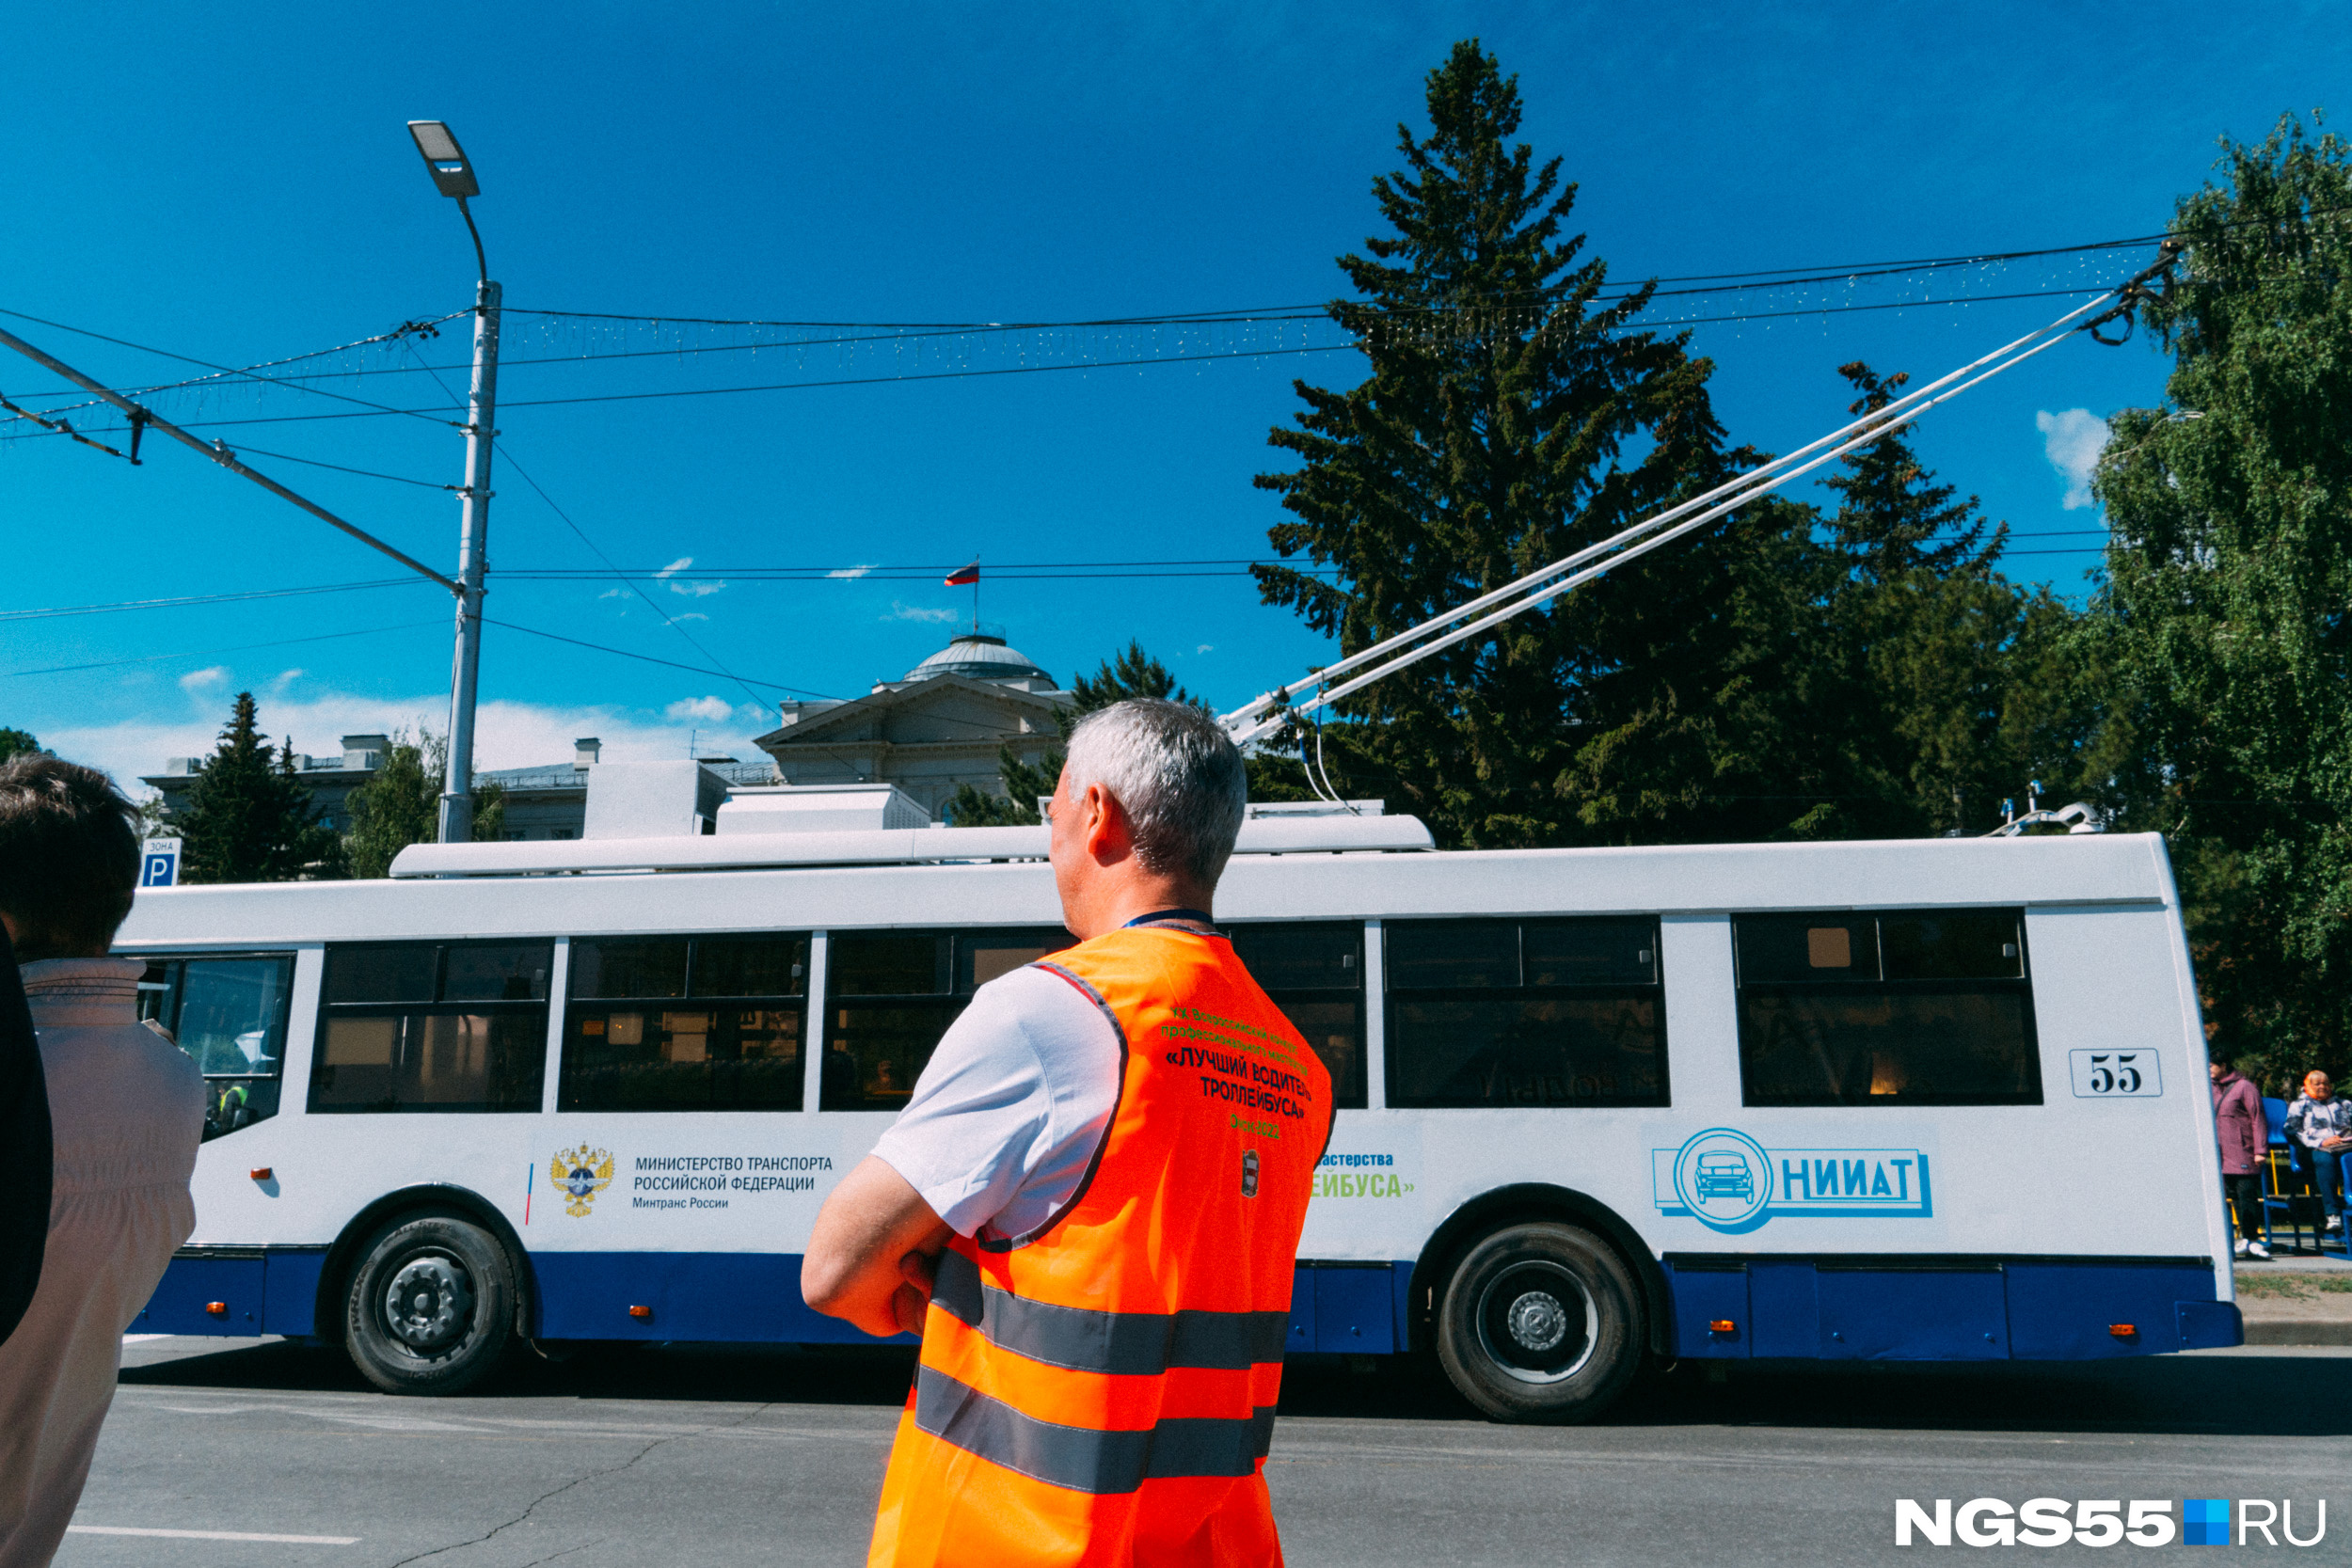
x: 1009, y: 1112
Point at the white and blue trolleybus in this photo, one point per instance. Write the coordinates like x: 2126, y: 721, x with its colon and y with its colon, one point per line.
x: 1926, y: 1100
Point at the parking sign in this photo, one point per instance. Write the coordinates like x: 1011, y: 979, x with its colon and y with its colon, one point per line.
x: 159, y: 862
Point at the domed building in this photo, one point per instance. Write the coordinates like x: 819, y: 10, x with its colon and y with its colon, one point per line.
x: 937, y: 727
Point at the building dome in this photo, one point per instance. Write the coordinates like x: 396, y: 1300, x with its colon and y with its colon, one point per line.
x: 981, y: 656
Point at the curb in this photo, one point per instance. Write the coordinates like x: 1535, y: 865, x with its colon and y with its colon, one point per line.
x: 2298, y: 1331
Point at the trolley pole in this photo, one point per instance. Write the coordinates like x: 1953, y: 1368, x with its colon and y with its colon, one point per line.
x: 456, y: 816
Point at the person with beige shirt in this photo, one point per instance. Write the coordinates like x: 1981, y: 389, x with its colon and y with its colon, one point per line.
x: 126, y: 1111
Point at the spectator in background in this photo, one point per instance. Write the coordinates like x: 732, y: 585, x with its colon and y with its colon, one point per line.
x: 2323, y: 1124
x: 2239, y: 1122
x: 23, y: 1150
x: 126, y: 1111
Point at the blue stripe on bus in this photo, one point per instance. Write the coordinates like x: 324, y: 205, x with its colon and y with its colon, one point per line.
x: 750, y: 1298
x: 2018, y: 1309
x: 712, y: 1296
x: 2015, y: 1309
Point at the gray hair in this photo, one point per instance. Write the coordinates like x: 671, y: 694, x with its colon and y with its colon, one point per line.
x: 1176, y: 774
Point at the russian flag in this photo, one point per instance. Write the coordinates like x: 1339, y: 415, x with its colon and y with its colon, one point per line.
x: 968, y: 574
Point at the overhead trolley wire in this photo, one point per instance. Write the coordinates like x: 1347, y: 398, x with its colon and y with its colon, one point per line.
x: 187, y: 601
x: 228, y: 370
x: 1057, y: 370
x: 207, y: 652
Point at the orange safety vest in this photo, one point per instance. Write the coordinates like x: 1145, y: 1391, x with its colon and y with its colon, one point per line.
x: 1102, y: 1389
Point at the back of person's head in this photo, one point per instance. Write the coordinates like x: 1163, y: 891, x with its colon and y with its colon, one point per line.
x: 69, y: 857
x: 1174, y: 773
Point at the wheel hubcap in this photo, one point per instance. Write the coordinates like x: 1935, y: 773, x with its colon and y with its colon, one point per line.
x: 429, y: 1303
x: 1537, y: 1321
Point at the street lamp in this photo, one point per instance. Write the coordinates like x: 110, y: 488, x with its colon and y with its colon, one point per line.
x: 453, y: 176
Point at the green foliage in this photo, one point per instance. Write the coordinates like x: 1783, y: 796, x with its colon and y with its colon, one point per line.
x: 1131, y: 673
x: 2224, y: 614
x: 17, y: 743
x: 249, y: 819
x: 401, y: 804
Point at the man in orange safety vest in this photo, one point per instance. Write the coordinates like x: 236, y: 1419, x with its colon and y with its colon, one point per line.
x: 1091, y: 1206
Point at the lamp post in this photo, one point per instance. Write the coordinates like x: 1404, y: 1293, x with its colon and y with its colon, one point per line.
x: 453, y: 176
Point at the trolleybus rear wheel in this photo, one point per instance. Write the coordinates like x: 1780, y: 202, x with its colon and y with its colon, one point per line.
x: 431, y: 1308
x: 1540, y: 1322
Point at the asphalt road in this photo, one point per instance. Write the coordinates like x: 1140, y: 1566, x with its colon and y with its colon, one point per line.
x: 717, y: 1458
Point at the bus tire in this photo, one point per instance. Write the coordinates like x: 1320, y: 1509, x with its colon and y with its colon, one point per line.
x: 1540, y: 1322
x: 431, y: 1308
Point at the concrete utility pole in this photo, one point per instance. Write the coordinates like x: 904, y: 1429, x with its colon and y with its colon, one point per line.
x: 453, y: 176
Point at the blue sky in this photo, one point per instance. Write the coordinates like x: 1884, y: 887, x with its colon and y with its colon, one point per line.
x: 234, y: 184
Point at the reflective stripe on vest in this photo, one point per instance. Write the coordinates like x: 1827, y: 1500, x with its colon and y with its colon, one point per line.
x: 1088, y: 1340
x: 1102, y: 1388
x: 1080, y: 1458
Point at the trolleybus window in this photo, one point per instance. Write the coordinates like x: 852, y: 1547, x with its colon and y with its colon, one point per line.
x: 1524, y: 1012
x: 433, y: 1026
x: 891, y: 995
x: 728, y: 1037
x: 1918, y: 1007
x: 1314, y: 972
x: 229, y: 1014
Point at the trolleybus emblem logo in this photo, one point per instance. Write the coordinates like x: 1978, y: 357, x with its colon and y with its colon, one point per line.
x: 1727, y: 1181
x: 1724, y: 1178
x: 581, y: 1174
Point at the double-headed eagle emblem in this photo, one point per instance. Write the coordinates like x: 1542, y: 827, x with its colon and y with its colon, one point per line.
x: 581, y: 1174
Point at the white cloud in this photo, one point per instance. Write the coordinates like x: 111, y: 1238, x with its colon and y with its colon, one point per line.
x: 1205, y: 648
x: 285, y: 678
x: 696, y: 590
x: 2074, y: 442
x: 711, y: 710
x: 690, y: 615
x: 506, y: 733
x: 916, y: 612
x: 679, y: 565
x: 852, y: 571
x: 199, y: 680
x: 613, y: 594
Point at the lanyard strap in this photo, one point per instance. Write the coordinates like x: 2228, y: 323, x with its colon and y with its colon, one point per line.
x: 1158, y: 917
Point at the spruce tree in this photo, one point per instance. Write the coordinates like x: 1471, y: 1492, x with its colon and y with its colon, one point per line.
x: 1891, y: 510
x: 249, y: 817
x: 1944, y: 688
x: 1513, y: 413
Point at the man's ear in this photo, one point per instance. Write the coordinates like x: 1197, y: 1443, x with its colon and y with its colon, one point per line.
x: 1106, y: 838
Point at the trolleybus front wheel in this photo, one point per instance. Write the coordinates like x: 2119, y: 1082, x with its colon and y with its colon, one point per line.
x: 431, y: 1308
x: 1540, y: 1322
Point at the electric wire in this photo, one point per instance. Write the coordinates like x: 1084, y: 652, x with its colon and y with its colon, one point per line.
x: 207, y: 652
x: 667, y: 663
x: 582, y: 535
x: 666, y: 618
x: 225, y: 370
x: 1053, y: 370
x: 192, y: 599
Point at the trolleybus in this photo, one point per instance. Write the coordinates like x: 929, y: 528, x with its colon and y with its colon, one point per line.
x: 1919, y: 1100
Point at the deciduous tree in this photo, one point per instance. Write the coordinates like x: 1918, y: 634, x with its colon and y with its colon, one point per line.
x: 401, y: 804
x: 2227, y: 611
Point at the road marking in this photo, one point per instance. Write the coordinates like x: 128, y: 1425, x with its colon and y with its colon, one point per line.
x: 142, y: 1339
x: 216, y: 1535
